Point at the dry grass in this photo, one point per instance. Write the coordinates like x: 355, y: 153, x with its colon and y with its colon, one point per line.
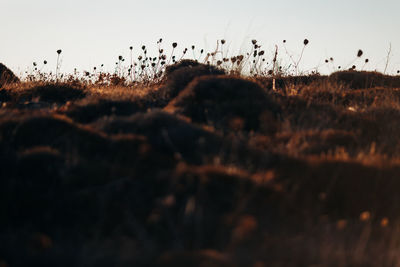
x: 217, y: 170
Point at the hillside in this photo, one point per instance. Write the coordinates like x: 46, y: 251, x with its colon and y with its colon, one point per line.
x: 201, y: 168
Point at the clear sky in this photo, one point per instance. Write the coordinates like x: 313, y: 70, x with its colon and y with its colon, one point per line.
x: 94, y: 32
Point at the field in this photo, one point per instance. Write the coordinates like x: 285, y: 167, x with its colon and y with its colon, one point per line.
x: 201, y: 167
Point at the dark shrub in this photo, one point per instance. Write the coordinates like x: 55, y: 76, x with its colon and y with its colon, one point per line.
x: 54, y: 93
x: 59, y: 132
x: 182, y: 73
x: 167, y: 133
x: 181, y: 64
x: 364, y: 79
x: 7, y: 76
x: 87, y: 112
x: 227, y: 103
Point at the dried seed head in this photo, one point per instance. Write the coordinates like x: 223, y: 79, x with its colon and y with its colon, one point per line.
x: 253, y: 41
x: 305, y: 42
x: 131, y: 48
x: 174, y: 45
x: 120, y: 58
x: 326, y: 61
x: 193, y: 47
x: 284, y: 41
x: 222, y: 41
x: 366, y: 60
x: 143, y: 47
x: 45, y: 62
x: 359, y: 53
x: 59, y: 51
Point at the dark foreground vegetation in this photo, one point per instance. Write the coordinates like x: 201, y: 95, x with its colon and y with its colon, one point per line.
x: 201, y: 169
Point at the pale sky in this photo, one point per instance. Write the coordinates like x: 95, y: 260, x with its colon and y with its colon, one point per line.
x: 91, y: 32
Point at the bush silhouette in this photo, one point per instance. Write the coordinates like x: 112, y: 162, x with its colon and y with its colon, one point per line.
x: 364, y: 79
x: 182, y: 73
x: 53, y: 93
x: 7, y: 76
x: 181, y: 64
x: 91, y: 110
x: 168, y: 133
x: 227, y: 102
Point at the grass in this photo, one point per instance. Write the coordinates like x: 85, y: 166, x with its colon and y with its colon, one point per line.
x: 200, y: 163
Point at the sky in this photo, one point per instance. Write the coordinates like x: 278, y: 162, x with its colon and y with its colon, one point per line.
x: 95, y: 32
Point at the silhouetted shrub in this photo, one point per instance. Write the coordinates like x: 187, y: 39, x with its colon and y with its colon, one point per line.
x: 364, y: 79
x: 167, y: 133
x: 182, y: 73
x: 227, y: 103
x: 27, y: 131
x: 89, y: 111
x: 53, y: 93
x: 181, y: 64
x: 182, y: 140
x: 7, y: 76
